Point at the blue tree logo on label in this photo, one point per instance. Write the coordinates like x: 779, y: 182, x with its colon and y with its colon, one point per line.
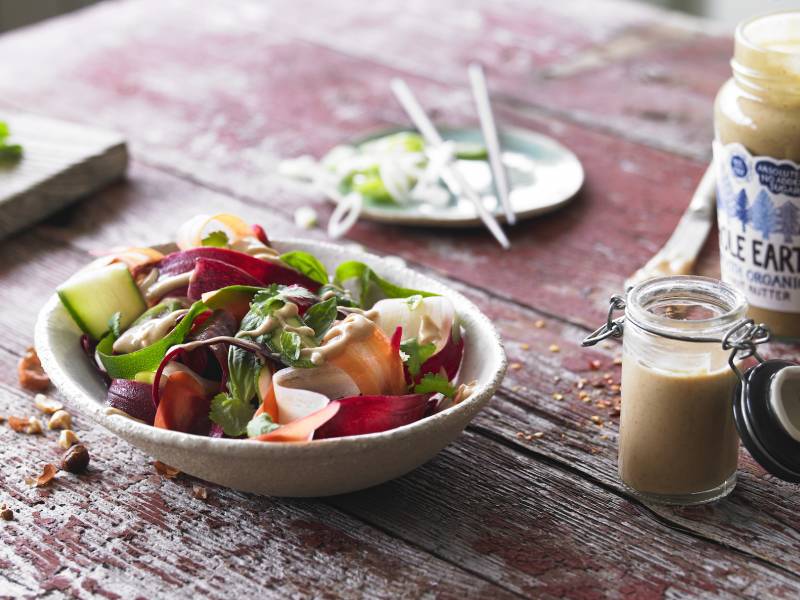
x: 741, y: 210
x: 762, y: 214
x: 787, y: 221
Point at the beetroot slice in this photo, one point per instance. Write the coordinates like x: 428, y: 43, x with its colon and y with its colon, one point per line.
x: 210, y: 275
x: 221, y: 322
x: 132, y: 397
x: 370, y: 414
x: 265, y: 272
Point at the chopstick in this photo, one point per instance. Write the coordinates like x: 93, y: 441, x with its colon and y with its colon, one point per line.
x: 480, y: 91
x: 421, y: 121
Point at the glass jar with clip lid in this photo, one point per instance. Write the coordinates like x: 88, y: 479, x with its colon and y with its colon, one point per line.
x: 684, y: 395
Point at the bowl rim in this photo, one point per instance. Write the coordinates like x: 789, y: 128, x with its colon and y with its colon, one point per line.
x: 96, y: 410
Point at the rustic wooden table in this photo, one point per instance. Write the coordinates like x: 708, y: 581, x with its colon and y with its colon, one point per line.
x: 211, y: 95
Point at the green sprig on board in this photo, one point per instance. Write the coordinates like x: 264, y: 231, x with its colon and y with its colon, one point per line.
x: 8, y: 152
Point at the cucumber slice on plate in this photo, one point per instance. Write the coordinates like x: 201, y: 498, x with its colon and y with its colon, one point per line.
x: 92, y: 297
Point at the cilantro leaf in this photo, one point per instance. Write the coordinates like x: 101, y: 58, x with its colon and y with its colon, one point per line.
x: 416, y: 354
x: 230, y: 413
x: 372, y: 285
x: 114, y: 324
x: 307, y: 264
x: 321, y: 316
x: 287, y: 344
x: 216, y: 239
x: 438, y: 384
x: 260, y: 425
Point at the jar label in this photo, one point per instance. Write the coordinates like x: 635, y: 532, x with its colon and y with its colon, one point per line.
x: 758, y: 211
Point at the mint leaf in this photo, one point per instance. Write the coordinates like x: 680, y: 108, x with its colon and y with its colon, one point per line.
x: 321, y: 316
x: 307, y: 264
x: 3, y: 131
x: 216, y: 239
x: 437, y: 384
x: 230, y: 413
x: 260, y: 425
x: 372, y: 285
x: 416, y: 354
x: 114, y: 324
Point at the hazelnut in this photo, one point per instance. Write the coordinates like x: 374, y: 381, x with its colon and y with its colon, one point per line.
x: 34, y: 426
x: 67, y: 439
x: 61, y: 419
x: 76, y: 459
x: 47, y: 405
x: 6, y: 513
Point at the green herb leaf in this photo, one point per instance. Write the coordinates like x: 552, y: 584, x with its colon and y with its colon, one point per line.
x: 290, y: 346
x: 286, y: 344
x: 321, y: 316
x: 372, y: 285
x: 243, y: 370
x: 307, y: 264
x: 437, y: 384
x: 114, y: 324
x: 8, y: 152
x: 416, y: 354
x: 343, y: 297
x: 216, y: 239
x: 230, y: 413
x: 260, y: 425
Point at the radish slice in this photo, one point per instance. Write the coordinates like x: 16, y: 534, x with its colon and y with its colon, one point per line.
x: 303, y: 429
x: 300, y: 392
x: 192, y: 233
x: 426, y: 319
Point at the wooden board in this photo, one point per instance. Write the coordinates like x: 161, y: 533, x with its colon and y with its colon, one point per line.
x: 62, y: 162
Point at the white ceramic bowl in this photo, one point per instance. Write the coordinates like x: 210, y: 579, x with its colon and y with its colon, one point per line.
x: 317, y: 468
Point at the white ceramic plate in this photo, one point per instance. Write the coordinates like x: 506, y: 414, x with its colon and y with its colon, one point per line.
x: 543, y: 176
x: 317, y: 468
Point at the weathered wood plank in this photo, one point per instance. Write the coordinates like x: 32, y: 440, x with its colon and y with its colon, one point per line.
x: 760, y: 518
x: 123, y: 531
x: 582, y: 252
x: 568, y: 58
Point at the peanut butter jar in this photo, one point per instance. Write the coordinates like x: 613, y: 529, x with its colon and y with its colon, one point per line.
x: 757, y: 163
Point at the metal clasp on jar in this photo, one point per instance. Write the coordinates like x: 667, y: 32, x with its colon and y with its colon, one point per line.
x: 742, y: 338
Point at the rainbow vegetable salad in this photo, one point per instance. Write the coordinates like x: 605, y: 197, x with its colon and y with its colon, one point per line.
x: 227, y: 337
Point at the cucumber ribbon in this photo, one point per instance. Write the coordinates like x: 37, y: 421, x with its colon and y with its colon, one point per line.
x: 126, y: 366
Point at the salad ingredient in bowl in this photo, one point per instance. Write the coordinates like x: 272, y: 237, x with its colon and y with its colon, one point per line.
x: 227, y: 337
